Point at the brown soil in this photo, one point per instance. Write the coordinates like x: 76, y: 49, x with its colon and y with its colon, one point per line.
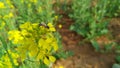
x: 115, y: 29
x: 85, y: 55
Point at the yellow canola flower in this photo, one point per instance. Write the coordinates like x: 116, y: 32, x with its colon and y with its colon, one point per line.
x: 27, y: 26
x: 10, y: 15
x: 34, y: 1
x: 1, y: 65
x: 34, y: 49
x: 56, y: 17
x: 48, y: 60
x: 52, y: 59
x: 51, y: 27
x: 2, y: 25
x: 24, y: 32
x: 14, y: 56
x: 55, y: 47
x: 15, y: 36
x: 2, y: 5
x: 5, y: 60
x: 59, y: 66
x: 5, y: 16
x: 9, y: 3
x: 11, y: 6
x: 60, y: 26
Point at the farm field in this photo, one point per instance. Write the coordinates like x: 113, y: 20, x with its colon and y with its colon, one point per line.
x: 59, y: 34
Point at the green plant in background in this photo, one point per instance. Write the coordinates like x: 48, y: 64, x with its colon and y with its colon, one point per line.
x: 6, y: 17
x: 90, y: 19
x: 113, y: 8
x: 6, y: 24
x: 117, y: 65
x: 117, y: 58
x: 34, y: 11
x: 61, y: 53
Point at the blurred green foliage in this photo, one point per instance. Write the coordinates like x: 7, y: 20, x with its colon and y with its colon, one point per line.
x: 90, y: 18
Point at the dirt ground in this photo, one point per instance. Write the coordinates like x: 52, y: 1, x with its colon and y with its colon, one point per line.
x: 85, y: 55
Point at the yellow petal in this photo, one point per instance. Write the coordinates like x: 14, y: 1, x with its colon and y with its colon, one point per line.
x: 46, y: 61
x: 52, y: 59
x: 2, y: 5
x: 60, y: 26
x: 61, y: 67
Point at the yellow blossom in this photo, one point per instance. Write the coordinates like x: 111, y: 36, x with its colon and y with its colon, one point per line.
x: 14, y: 56
x: 52, y: 59
x: 5, y: 60
x: 15, y: 35
x: 10, y: 4
x: 2, y: 5
x: 37, y: 41
x: 34, y: 49
x: 34, y: 1
x: 1, y: 65
x: 46, y: 61
x: 2, y: 25
x: 56, y: 18
x: 59, y: 66
x: 8, y: 1
x: 60, y: 26
x: 27, y: 26
x: 10, y: 15
x: 5, y: 16
x: 24, y: 33
x: 51, y: 27
x: 55, y: 47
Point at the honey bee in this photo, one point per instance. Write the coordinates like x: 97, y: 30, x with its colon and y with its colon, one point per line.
x: 44, y: 25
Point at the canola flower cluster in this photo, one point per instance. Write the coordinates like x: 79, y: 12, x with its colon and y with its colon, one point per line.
x: 8, y: 2
x: 2, y: 5
x: 5, y: 60
x: 35, y: 41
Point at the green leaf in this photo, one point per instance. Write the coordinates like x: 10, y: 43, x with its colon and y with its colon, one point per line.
x: 95, y: 45
x: 104, y: 31
x: 71, y: 27
x: 70, y: 53
x: 63, y: 54
x: 93, y: 25
x: 118, y: 58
